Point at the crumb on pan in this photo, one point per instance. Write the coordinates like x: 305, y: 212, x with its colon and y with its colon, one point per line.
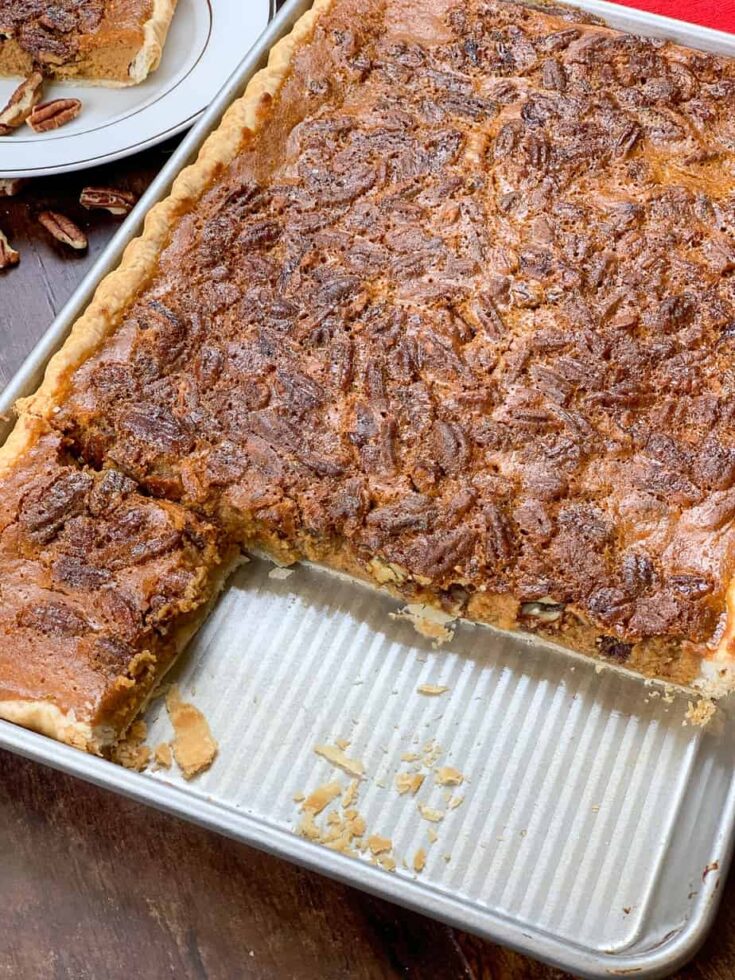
x: 130, y: 752
x: 336, y: 756
x: 428, y: 621
x: 700, y: 713
x: 409, y: 782
x: 449, y: 776
x: 379, y: 845
x: 194, y: 747
x: 432, y: 690
x: 430, y: 813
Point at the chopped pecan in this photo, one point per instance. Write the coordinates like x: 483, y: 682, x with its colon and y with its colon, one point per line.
x: 107, y: 199
x: 553, y: 75
x: 63, y: 229
x: 21, y: 103
x: 51, y: 115
x: 8, y: 255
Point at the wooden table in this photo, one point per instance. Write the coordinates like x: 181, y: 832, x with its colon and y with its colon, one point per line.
x: 93, y: 886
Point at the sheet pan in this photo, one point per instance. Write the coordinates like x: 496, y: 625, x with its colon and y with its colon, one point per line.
x: 594, y: 828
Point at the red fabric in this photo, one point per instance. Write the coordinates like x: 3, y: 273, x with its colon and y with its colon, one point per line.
x: 709, y: 13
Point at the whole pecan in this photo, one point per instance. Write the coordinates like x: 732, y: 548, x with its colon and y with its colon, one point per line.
x: 51, y: 115
x: 63, y: 229
x: 21, y: 103
x: 8, y: 255
x: 107, y: 198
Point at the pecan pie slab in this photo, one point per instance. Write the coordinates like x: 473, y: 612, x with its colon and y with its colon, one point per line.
x: 448, y: 303
x: 103, y: 42
x: 99, y: 589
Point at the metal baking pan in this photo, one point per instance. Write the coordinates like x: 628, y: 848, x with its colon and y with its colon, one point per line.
x: 595, y: 827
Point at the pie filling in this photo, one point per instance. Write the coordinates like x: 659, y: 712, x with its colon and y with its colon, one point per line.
x: 459, y: 319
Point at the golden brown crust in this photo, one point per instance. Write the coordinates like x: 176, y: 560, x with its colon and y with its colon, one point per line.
x: 154, y: 33
x: 48, y: 719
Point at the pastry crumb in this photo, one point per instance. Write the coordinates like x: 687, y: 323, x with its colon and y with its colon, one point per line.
x: 130, y: 752
x: 419, y: 860
x: 194, y: 747
x: 163, y: 755
x: 379, y: 845
x: 449, y: 776
x: 429, y: 813
x: 387, y: 862
x: 430, y: 622
x: 699, y: 713
x: 337, y: 758
x: 350, y: 794
x: 409, y: 782
x: 321, y: 797
x: 432, y: 690
x: 432, y: 835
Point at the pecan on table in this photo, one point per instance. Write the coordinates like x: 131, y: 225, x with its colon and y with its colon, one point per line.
x: 21, y: 103
x: 63, y: 229
x: 107, y: 198
x: 8, y: 255
x: 51, y: 115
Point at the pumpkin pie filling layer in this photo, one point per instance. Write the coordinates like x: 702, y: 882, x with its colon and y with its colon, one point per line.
x: 100, y: 588
x: 112, y: 42
x: 448, y: 303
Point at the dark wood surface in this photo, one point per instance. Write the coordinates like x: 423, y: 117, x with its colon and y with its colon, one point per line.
x: 94, y: 886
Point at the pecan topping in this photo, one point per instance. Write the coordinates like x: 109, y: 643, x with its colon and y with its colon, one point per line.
x: 8, y: 255
x: 21, y: 103
x: 107, y: 199
x: 51, y: 115
x: 63, y: 229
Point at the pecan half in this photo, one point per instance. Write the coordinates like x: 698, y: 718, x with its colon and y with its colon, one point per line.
x: 51, y: 115
x: 63, y: 229
x: 10, y: 186
x: 21, y: 103
x: 8, y: 255
x: 107, y: 198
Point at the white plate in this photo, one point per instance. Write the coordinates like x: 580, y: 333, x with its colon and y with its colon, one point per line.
x: 207, y: 40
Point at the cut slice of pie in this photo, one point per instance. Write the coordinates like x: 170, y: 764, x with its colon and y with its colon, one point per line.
x: 447, y: 302
x: 103, y: 42
x: 99, y: 589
